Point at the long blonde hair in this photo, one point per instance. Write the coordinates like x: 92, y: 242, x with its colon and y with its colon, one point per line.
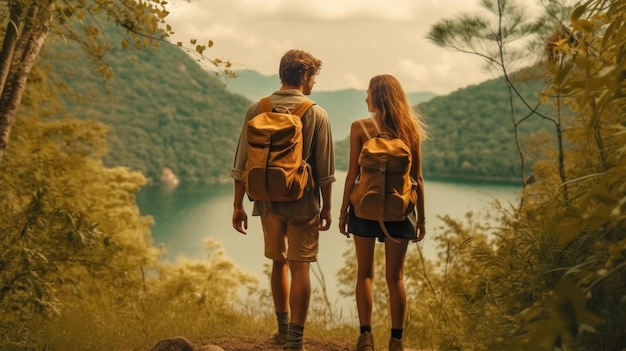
x: 394, y: 111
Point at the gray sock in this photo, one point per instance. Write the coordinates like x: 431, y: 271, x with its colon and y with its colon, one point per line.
x: 283, y: 322
x: 295, y: 336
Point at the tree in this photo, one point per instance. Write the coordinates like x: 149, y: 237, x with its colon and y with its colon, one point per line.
x: 76, y: 255
x: 588, y: 67
x: 552, y: 275
x: 500, y: 42
x: 30, y: 22
x: 549, y: 275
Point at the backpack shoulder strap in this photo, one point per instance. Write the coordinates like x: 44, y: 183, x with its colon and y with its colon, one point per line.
x: 303, y: 107
x: 265, y: 105
x: 367, y: 132
x: 375, y: 125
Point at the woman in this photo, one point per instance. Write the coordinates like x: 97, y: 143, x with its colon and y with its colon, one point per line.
x: 391, y: 113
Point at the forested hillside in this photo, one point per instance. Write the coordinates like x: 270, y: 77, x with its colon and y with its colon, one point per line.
x: 163, y: 109
x: 472, y: 135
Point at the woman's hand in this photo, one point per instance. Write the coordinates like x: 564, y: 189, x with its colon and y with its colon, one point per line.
x: 343, y: 223
x: 421, y: 231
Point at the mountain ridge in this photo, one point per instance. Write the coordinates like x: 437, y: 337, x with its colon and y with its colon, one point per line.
x: 343, y: 105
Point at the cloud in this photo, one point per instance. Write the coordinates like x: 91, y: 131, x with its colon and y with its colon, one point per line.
x: 356, y: 39
x: 347, y: 80
x: 328, y: 10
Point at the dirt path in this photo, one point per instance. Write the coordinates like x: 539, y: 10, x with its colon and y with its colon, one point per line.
x: 266, y: 344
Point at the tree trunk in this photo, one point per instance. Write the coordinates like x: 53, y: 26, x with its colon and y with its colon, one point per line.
x: 8, y: 45
x: 25, y: 50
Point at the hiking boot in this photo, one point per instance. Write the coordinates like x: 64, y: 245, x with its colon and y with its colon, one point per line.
x: 279, y: 337
x: 292, y: 347
x: 395, y: 344
x: 365, y: 342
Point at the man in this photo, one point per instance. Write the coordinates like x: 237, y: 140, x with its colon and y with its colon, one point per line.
x: 291, y: 229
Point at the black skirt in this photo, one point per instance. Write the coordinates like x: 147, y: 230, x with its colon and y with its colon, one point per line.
x: 371, y: 229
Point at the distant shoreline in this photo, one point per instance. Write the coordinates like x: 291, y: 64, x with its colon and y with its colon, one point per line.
x: 473, y: 179
x: 428, y: 177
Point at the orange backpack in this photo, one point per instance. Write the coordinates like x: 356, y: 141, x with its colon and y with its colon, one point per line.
x: 275, y: 169
x: 385, y: 190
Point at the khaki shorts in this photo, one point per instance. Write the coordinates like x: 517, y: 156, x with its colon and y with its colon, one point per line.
x: 289, y: 239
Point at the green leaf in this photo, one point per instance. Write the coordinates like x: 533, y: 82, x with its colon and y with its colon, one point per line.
x: 570, y: 305
x: 599, y: 217
x: 603, y: 195
x: 585, y: 63
x: 573, y: 212
x: 578, y: 12
x: 562, y: 74
x: 569, y: 232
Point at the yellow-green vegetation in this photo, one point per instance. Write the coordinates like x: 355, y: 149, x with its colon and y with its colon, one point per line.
x: 164, y: 110
x: 77, y: 267
x: 470, y: 129
x: 78, y: 270
x: 547, y: 273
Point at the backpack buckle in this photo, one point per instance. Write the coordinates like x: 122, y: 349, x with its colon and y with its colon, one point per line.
x: 268, y: 137
x: 383, y: 164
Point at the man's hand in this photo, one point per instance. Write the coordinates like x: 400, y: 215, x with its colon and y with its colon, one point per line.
x: 240, y: 220
x: 325, y: 220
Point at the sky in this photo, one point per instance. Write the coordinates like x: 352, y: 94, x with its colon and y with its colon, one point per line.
x: 355, y: 39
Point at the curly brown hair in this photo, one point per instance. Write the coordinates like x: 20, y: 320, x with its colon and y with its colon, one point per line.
x: 296, y: 65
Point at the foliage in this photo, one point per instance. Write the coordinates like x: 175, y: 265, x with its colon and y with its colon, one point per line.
x: 77, y: 256
x: 470, y: 137
x: 28, y: 23
x: 163, y: 109
x: 496, y: 39
x: 548, y: 275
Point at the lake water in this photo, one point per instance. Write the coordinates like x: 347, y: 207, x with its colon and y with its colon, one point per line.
x: 186, y: 215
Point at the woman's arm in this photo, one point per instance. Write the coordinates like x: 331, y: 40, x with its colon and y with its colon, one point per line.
x: 416, y: 171
x: 356, y: 142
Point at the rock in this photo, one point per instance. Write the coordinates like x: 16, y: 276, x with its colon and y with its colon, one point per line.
x: 210, y: 348
x: 169, y: 178
x: 174, y: 344
x: 180, y: 343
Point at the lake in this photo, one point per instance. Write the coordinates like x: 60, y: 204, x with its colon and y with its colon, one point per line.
x: 187, y: 214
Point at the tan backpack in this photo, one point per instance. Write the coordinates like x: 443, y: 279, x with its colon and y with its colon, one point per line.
x: 275, y: 169
x: 384, y: 190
